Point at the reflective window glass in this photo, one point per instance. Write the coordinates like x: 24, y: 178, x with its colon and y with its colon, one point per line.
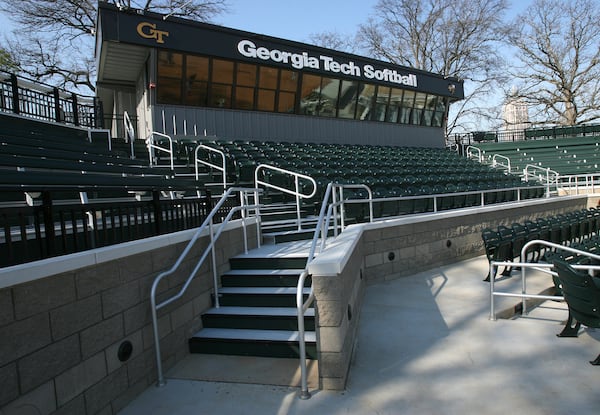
x: 347, y: 101
x: 420, y: 100
x: 440, y: 112
x: 311, y: 94
x: 267, y: 78
x: 169, y: 74
x: 429, y: 110
x: 330, y: 88
x: 365, y: 102
x: 394, y: 105
x: 289, y: 81
x: 246, y: 74
x: 266, y: 100
x: 169, y: 91
x: 406, y: 109
x: 381, y: 103
x: 286, y: 102
x: 220, y: 96
x: 244, y: 98
x: 222, y: 71
x: 196, y: 84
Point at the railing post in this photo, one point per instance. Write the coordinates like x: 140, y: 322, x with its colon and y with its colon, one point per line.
x: 57, y: 109
x: 14, y: 82
x: 75, y: 109
x: 157, y: 212
x: 48, y: 222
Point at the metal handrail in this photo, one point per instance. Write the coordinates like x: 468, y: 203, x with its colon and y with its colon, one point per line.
x: 214, y: 236
x: 370, y: 200
x: 327, y: 212
x: 471, y: 150
x: 572, y: 180
x: 537, y: 266
x: 546, y: 173
x: 222, y: 168
x: 296, y: 192
x: 129, y: 133
x: 495, y: 162
x: 152, y: 146
x: 301, y: 305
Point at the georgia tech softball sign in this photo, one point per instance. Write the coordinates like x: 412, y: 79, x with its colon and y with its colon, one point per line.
x: 303, y: 60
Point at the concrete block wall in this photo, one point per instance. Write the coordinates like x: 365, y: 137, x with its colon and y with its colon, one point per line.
x: 339, y: 300
x: 61, y: 334
x: 382, y: 251
x: 393, y: 250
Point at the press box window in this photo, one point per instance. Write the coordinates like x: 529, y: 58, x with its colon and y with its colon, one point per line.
x: 169, y: 75
x: 196, y: 81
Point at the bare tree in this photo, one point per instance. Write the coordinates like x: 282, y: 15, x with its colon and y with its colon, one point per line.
x: 456, y: 38
x: 332, y: 40
x: 558, y: 55
x: 55, y: 38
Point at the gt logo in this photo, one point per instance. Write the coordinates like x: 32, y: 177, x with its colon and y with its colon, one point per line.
x: 148, y: 31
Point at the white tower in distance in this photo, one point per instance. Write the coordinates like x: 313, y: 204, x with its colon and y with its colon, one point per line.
x: 514, y: 113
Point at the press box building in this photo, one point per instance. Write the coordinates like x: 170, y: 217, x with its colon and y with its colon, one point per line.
x: 183, y: 77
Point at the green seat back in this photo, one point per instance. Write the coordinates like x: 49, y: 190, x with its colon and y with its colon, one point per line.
x: 581, y: 292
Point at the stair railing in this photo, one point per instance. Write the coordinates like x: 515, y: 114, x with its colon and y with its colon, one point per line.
x: 129, y: 133
x: 153, y: 146
x: 327, y: 213
x: 222, y: 168
x: 294, y: 192
x: 496, y: 162
x: 474, y: 153
x: 245, y: 208
x: 545, y: 175
x: 301, y: 304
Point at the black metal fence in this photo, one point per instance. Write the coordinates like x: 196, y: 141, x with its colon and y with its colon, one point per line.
x: 30, y: 233
x: 540, y: 133
x: 25, y: 97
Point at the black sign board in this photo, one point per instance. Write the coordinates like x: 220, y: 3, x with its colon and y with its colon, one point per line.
x: 154, y: 30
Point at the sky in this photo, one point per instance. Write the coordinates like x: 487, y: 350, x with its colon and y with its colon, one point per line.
x: 296, y: 20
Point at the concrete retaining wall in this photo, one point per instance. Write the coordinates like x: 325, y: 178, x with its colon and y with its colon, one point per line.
x: 62, y: 321
x: 369, y: 253
x: 60, y: 335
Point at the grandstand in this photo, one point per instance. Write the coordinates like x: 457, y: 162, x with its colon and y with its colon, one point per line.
x: 124, y: 251
x: 564, y: 164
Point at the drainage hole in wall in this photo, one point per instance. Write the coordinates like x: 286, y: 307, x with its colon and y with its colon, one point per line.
x: 349, y: 312
x: 125, y: 351
x: 391, y: 256
x: 448, y: 243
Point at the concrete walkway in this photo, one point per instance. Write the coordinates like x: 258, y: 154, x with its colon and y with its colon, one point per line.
x: 427, y: 346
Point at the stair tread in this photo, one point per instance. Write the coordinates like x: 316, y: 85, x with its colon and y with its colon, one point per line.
x: 269, y: 272
x: 262, y: 290
x: 266, y: 311
x: 248, y: 334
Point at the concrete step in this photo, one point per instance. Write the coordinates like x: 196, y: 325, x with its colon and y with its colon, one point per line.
x: 244, y: 342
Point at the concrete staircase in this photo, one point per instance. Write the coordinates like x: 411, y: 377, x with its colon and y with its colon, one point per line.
x: 257, y: 313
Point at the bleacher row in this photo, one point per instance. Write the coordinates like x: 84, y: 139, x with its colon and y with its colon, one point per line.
x: 51, y: 157
x: 389, y: 171
x: 578, y: 229
x: 567, y: 156
x: 40, y: 156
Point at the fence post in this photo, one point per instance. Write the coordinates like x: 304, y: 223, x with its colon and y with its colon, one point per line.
x: 157, y: 211
x: 57, y: 112
x: 15, y: 93
x: 48, y: 222
x: 75, y: 109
